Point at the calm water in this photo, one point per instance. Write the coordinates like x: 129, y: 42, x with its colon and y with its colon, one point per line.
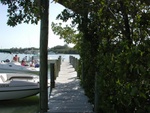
x: 26, y: 105
x: 4, y: 56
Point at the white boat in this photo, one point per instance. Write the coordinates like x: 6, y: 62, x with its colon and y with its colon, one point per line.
x: 14, y: 87
x: 11, y: 65
x: 16, y: 66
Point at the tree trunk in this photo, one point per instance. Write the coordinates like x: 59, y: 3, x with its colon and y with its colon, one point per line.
x: 43, y: 55
x: 126, y: 23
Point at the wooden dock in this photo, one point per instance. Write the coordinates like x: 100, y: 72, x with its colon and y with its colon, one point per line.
x: 68, y: 96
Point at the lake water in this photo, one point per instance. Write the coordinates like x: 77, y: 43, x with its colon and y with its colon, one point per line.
x: 4, y: 56
x: 30, y: 104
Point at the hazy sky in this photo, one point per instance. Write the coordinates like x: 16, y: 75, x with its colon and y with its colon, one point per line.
x: 27, y: 35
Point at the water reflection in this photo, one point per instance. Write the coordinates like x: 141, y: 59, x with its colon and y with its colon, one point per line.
x: 26, y: 105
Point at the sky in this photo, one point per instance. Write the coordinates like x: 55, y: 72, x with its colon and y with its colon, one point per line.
x: 27, y: 35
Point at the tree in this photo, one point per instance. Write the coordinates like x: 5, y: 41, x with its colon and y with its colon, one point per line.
x: 87, y: 39
x: 43, y: 55
x: 112, y: 33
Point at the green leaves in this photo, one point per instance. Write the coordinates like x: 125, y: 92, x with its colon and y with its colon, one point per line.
x: 67, y: 33
x: 114, y: 41
x: 22, y: 11
x: 127, y: 77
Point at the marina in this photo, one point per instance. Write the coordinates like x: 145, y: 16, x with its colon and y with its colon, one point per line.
x: 31, y: 104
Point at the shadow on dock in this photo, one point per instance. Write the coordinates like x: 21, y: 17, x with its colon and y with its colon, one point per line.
x: 68, y: 96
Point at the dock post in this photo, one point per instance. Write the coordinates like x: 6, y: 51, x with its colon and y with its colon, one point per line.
x: 52, y: 74
x: 96, y: 100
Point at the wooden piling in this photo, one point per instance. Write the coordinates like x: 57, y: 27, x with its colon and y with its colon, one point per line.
x: 52, y: 74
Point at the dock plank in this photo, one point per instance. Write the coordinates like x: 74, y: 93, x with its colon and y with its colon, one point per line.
x: 68, y: 96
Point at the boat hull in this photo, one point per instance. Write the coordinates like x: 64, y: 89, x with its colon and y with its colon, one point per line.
x: 16, y: 94
x: 16, y: 89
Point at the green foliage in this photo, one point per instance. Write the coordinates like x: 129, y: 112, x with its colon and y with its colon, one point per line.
x: 23, y: 50
x: 57, y: 49
x: 123, y: 58
x: 115, y: 43
x: 67, y: 33
x: 22, y: 11
x: 63, y: 50
x: 124, y: 80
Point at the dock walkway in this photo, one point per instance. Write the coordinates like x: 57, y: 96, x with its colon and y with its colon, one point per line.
x: 68, y: 96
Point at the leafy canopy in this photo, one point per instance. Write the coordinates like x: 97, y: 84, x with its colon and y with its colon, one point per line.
x: 22, y: 11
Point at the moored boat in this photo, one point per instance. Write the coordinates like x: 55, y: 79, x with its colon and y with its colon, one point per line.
x: 16, y: 66
x: 17, y: 87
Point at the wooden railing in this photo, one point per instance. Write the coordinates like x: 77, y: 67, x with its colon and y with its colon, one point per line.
x: 54, y: 71
x: 75, y: 63
x: 55, y: 68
